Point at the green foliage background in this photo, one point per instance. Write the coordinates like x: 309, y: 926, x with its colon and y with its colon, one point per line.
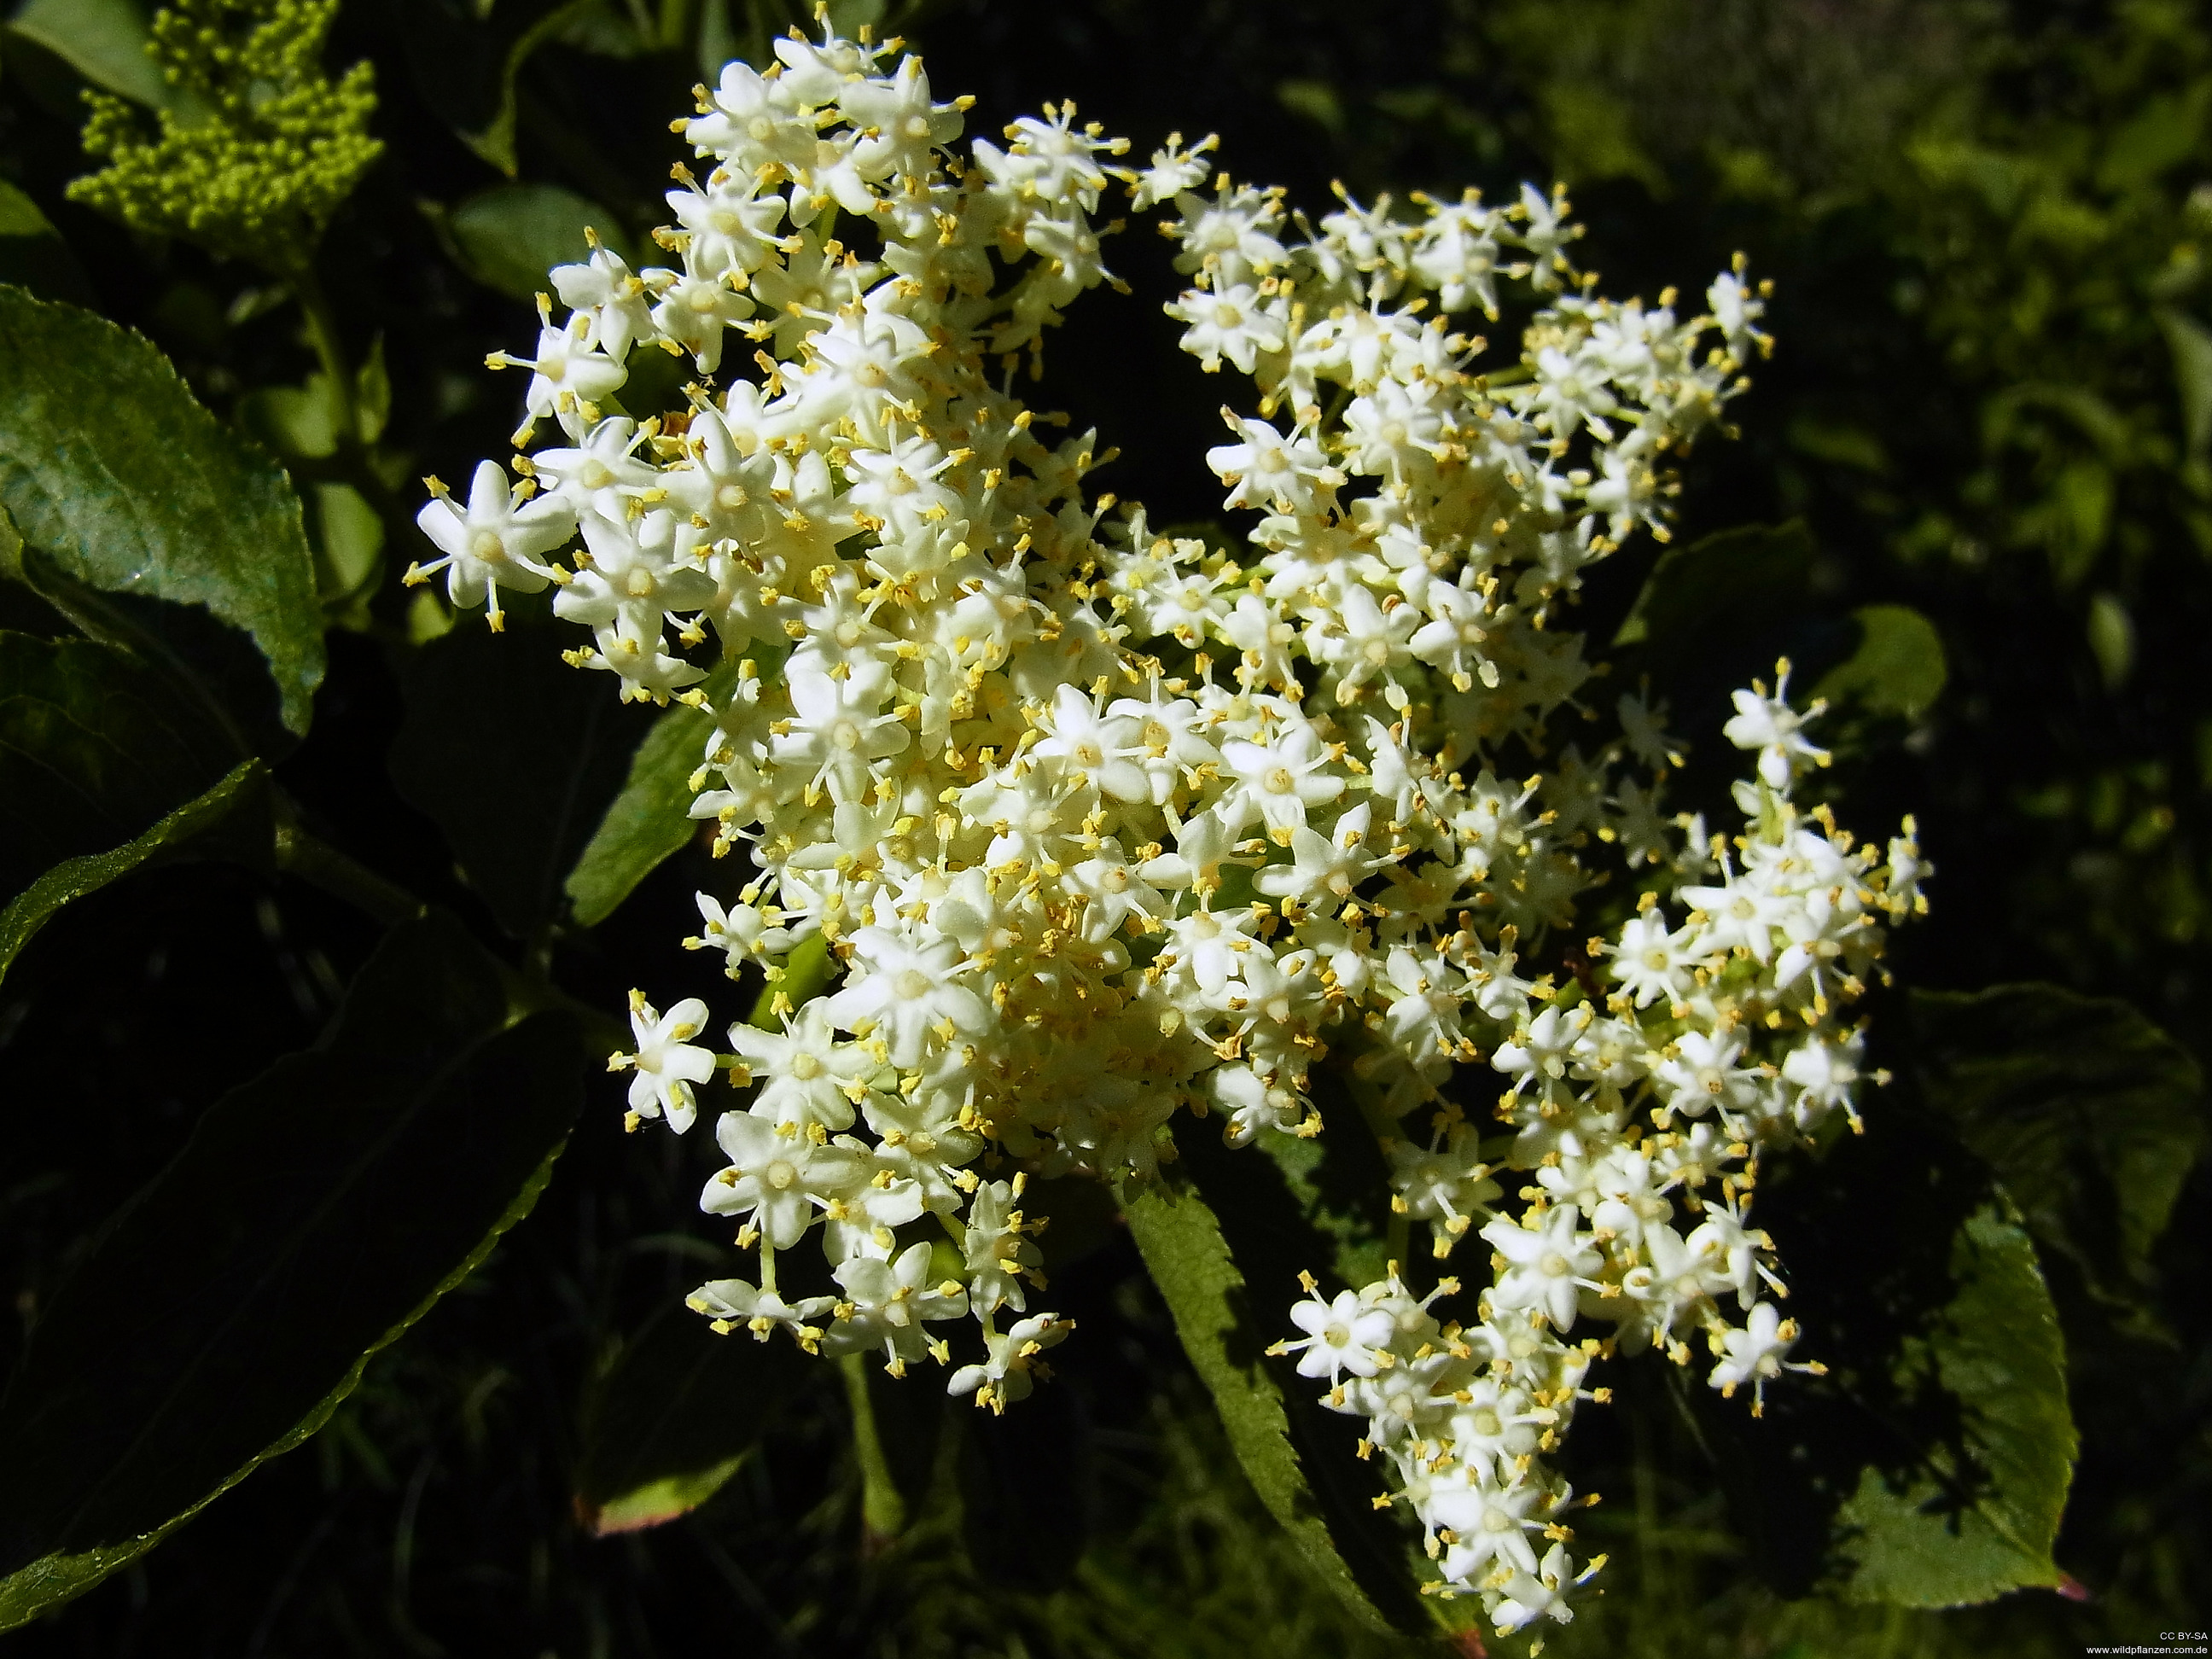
x: 1991, y: 403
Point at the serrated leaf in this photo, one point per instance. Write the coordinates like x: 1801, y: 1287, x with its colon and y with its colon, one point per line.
x: 2091, y: 1115
x: 111, y: 468
x: 315, y: 1214
x: 516, y: 755
x: 676, y: 1416
x: 511, y: 235
x: 1897, y: 668
x: 239, y: 802
x: 649, y: 821
x: 1979, y: 1514
x: 1301, y: 1474
x: 95, y: 749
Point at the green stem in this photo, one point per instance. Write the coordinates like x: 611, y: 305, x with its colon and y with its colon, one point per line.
x: 315, y: 861
x: 318, y: 864
x: 883, y: 1510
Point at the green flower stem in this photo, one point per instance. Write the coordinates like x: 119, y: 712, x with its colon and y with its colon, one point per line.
x: 318, y: 864
x: 315, y: 861
x: 883, y: 1511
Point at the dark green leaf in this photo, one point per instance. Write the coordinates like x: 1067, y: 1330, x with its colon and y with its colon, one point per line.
x: 511, y: 235
x: 33, y: 254
x: 1978, y: 1516
x: 1896, y: 670
x: 238, y: 805
x: 1718, y: 614
x: 2091, y: 1115
x: 1304, y: 1474
x: 108, y: 465
x: 315, y: 1214
x: 1753, y: 572
x: 648, y: 822
x: 94, y: 748
x: 494, y: 142
x: 516, y: 755
x: 675, y: 1417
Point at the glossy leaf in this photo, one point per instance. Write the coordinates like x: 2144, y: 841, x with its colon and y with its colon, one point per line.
x: 94, y: 748
x: 512, y: 236
x: 2091, y: 1115
x: 109, y: 467
x: 516, y: 755
x: 649, y: 821
x: 676, y: 1416
x: 1979, y: 1514
x: 315, y: 1214
x: 240, y: 804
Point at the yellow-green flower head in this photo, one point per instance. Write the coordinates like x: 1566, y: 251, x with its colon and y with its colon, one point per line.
x: 280, y: 146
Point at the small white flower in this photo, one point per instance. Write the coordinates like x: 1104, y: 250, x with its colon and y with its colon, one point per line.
x: 497, y: 541
x: 1343, y: 1335
x: 666, y: 1065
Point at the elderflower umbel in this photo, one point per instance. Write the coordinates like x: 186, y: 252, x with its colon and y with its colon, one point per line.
x: 1101, y: 826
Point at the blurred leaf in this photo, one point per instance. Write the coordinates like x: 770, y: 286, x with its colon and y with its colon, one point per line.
x: 1754, y: 570
x: 675, y: 1417
x: 494, y: 142
x: 1719, y: 613
x: 511, y: 235
x: 349, y: 540
x: 1316, y: 101
x: 2091, y: 1115
x: 2112, y: 634
x: 103, y: 41
x: 1181, y: 1240
x: 516, y: 755
x: 2161, y: 133
x: 109, y: 466
x: 372, y: 399
x: 32, y: 255
x: 649, y: 822
x: 718, y: 40
x: 94, y: 748
x: 1978, y: 1519
x: 2191, y: 344
x: 298, y: 422
x: 1897, y: 668
x: 315, y: 1214
x: 242, y: 795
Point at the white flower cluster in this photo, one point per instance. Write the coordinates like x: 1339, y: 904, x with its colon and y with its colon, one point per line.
x: 1640, y: 1099
x: 1099, y: 824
